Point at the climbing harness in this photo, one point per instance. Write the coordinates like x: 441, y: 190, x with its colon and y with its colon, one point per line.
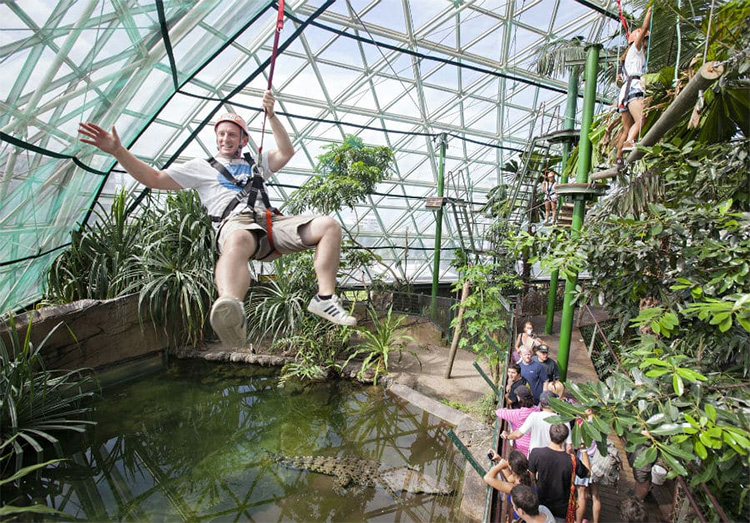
x: 256, y: 184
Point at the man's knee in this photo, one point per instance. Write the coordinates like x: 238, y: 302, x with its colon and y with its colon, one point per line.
x: 244, y: 241
x: 329, y: 225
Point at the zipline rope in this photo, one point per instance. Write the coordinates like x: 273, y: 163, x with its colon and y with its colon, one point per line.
x: 622, y: 19
x: 274, y: 54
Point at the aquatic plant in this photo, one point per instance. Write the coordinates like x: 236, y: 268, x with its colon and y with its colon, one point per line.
x: 37, y: 404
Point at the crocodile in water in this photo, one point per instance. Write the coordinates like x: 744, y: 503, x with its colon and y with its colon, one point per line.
x: 352, y: 470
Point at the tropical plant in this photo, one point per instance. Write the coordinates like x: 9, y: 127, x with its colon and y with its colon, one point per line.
x: 348, y: 172
x: 165, y: 253
x: 378, y: 344
x: 99, y: 255
x: 277, y: 306
x: 487, y: 308
x: 174, y: 272
x: 37, y: 405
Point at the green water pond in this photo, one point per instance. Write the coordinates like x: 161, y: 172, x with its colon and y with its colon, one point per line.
x: 197, y: 440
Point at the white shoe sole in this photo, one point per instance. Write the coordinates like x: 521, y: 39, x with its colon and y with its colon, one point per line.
x: 228, y: 321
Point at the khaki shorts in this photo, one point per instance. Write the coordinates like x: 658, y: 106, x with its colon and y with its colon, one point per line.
x: 285, y: 230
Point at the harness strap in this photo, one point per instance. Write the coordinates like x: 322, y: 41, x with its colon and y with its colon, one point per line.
x: 241, y: 194
x: 251, y: 189
x: 269, y: 230
x: 628, y: 82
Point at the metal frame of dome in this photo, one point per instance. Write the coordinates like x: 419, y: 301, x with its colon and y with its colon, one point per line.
x: 393, y: 72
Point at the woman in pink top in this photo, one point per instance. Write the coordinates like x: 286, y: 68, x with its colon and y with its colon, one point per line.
x: 516, y: 417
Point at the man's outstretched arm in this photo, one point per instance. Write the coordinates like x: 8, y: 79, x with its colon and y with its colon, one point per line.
x: 278, y: 158
x: 110, y: 143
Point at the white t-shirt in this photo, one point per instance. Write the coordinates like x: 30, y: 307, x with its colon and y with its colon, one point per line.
x: 635, y: 65
x: 539, y: 429
x: 214, y: 190
x: 548, y: 516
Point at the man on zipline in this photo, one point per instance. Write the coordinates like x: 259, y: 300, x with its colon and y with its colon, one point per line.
x: 246, y: 231
x: 630, y: 99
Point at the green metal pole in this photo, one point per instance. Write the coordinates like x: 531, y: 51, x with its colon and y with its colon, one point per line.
x: 438, y: 226
x: 569, y: 123
x: 582, y: 176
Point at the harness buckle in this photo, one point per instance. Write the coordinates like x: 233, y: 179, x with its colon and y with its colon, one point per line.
x: 257, y: 168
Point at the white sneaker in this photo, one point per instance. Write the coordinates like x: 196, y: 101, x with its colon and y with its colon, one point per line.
x: 331, y: 310
x: 229, y: 322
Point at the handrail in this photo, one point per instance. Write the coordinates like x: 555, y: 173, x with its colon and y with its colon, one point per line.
x: 598, y: 327
x: 503, y: 446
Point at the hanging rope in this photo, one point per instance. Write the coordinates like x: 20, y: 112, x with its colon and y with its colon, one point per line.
x: 274, y: 53
x: 648, y: 47
x: 622, y: 19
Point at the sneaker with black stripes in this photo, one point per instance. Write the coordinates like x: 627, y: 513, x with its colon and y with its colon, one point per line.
x: 331, y: 310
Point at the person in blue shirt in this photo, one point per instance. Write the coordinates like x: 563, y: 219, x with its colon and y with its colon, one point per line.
x: 553, y: 374
x: 534, y: 372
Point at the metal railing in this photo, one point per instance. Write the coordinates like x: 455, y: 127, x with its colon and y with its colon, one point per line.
x: 415, y: 304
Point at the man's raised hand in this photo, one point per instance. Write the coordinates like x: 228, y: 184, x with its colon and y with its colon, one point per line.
x: 100, y: 138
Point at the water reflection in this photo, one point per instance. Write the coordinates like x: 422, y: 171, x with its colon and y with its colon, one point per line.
x: 195, y: 442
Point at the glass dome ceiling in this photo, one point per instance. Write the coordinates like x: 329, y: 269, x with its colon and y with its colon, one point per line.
x: 393, y: 72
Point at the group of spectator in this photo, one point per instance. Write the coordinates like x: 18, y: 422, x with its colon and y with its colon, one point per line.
x: 544, y: 479
x: 533, y: 368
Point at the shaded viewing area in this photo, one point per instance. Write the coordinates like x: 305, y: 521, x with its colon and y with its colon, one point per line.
x: 278, y: 260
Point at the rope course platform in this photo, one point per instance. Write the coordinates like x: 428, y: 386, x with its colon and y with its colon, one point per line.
x: 581, y: 190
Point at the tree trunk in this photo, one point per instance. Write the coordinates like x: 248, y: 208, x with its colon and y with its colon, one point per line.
x: 457, y: 331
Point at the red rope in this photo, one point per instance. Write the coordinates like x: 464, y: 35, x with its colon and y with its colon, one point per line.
x: 622, y: 19
x: 274, y: 53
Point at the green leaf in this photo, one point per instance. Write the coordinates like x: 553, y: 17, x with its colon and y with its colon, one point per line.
x: 7, y: 510
x: 668, y: 429
x: 710, y: 411
x: 656, y: 418
x: 674, y: 464
x: 646, y: 457
x: 678, y: 385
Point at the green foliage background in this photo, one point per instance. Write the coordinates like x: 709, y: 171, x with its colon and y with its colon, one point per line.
x: 668, y: 253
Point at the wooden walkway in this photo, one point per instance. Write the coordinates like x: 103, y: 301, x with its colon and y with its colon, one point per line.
x: 581, y: 369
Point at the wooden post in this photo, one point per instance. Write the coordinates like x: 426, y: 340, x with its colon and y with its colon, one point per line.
x: 457, y: 330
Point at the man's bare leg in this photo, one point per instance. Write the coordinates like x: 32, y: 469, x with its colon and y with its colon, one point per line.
x: 232, y: 274
x: 232, y: 277
x: 325, y: 233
